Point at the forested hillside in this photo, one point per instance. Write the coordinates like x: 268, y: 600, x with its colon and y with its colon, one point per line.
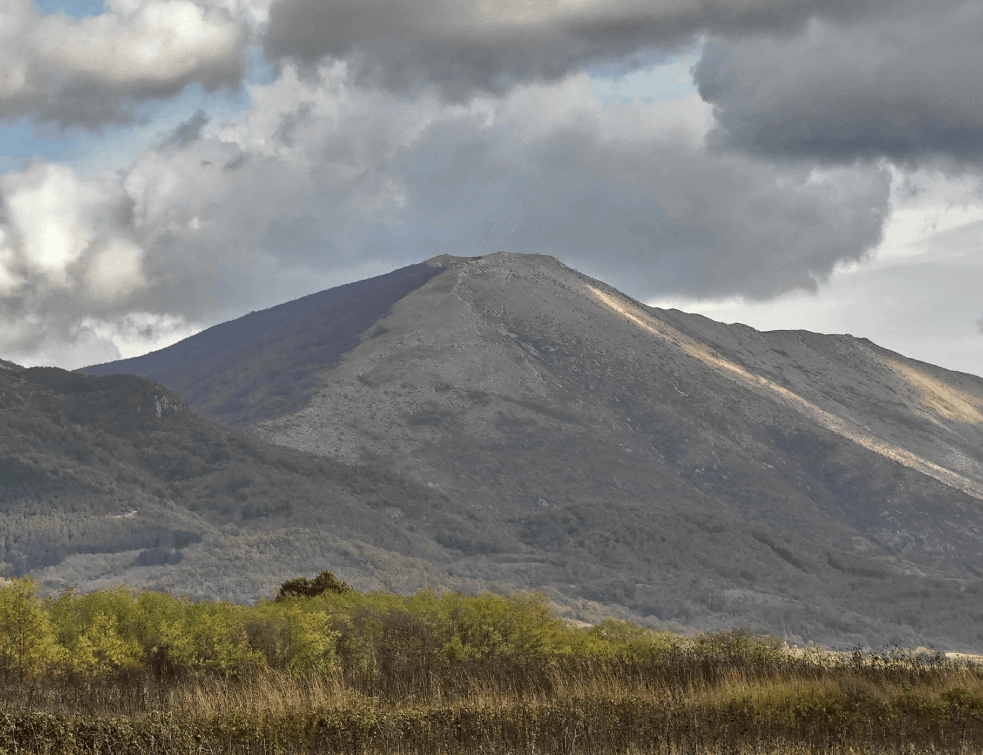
x: 116, y: 478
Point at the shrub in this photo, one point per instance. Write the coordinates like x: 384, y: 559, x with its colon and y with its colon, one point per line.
x: 97, y: 630
x: 301, y: 587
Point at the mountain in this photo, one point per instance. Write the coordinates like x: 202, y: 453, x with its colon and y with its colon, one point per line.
x: 109, y: 479
x: 817, y: 486
x: 265, y: 363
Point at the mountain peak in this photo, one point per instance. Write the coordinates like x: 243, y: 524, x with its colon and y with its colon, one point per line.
x: 499, y: 258
x: 673, y: 465
x: 274, y: 352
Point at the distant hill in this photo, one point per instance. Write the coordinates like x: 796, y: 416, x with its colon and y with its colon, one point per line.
x: 659, y: 462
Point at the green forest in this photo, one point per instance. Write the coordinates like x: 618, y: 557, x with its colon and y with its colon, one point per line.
x: 320, y: 668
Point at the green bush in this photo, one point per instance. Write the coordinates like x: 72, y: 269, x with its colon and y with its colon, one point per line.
x: 382, y: 641
x: 209, y: 637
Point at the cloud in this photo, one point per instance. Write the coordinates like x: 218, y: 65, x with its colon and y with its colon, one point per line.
x: 97, y: 70
x: 395, y: 130
x: 52, y: 219
x: 91, y: 340
x: 68, y: 252
x: 188, y: 132
x: 175, y: 234
x: 324, y: 178
x: 920, y: 299
x: 627, y: 192
x: 115, y: 271
x: 902, y: 86
x: 488, y: 46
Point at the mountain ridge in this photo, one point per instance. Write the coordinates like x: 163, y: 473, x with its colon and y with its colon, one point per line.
x: 232, y: 347
x: 844, y: 426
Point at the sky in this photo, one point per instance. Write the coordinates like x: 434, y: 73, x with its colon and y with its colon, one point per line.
x: 166, y: 165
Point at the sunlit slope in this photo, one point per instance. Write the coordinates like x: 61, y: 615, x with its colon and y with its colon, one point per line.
x: 907, y: 407
x: 941, y: 403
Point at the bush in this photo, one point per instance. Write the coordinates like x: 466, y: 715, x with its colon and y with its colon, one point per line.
x: 97, y: 630
x: 301, y: 587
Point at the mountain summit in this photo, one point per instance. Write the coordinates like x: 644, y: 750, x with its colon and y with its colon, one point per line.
x: 681, y: 468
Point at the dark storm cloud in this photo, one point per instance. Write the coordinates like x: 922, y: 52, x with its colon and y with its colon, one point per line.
x: 490, y: 46
x: 905, y: 86
x: 831, y: 80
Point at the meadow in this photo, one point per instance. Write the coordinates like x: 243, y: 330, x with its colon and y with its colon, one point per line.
x: 325, y: 669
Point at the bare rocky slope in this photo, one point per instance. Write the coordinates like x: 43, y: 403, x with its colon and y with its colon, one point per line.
x: 816, y: 486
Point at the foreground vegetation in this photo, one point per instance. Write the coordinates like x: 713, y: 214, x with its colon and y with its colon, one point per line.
x: 326, y: 669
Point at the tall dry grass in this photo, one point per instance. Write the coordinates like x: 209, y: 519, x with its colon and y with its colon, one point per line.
x: 692, y: 700
x: 360, y: 674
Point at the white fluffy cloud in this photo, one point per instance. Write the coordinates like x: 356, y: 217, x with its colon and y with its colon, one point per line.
x: 115, y: 271
x: 57, y: 226
x: 47, y: 210
x: 97, y: 70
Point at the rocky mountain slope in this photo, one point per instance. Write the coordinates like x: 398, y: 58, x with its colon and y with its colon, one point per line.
x: 262, y: 364
x: 817, y: 486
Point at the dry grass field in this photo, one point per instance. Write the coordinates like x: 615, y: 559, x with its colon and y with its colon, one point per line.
x: 347, y: 672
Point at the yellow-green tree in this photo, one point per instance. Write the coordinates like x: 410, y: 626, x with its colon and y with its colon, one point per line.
x: 28, y: 645
x: 294, y: 636
x: 208, y: 637
x: 97, y: 630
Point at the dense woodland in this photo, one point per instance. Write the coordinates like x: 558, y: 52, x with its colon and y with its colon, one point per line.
x: 323, y: 668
